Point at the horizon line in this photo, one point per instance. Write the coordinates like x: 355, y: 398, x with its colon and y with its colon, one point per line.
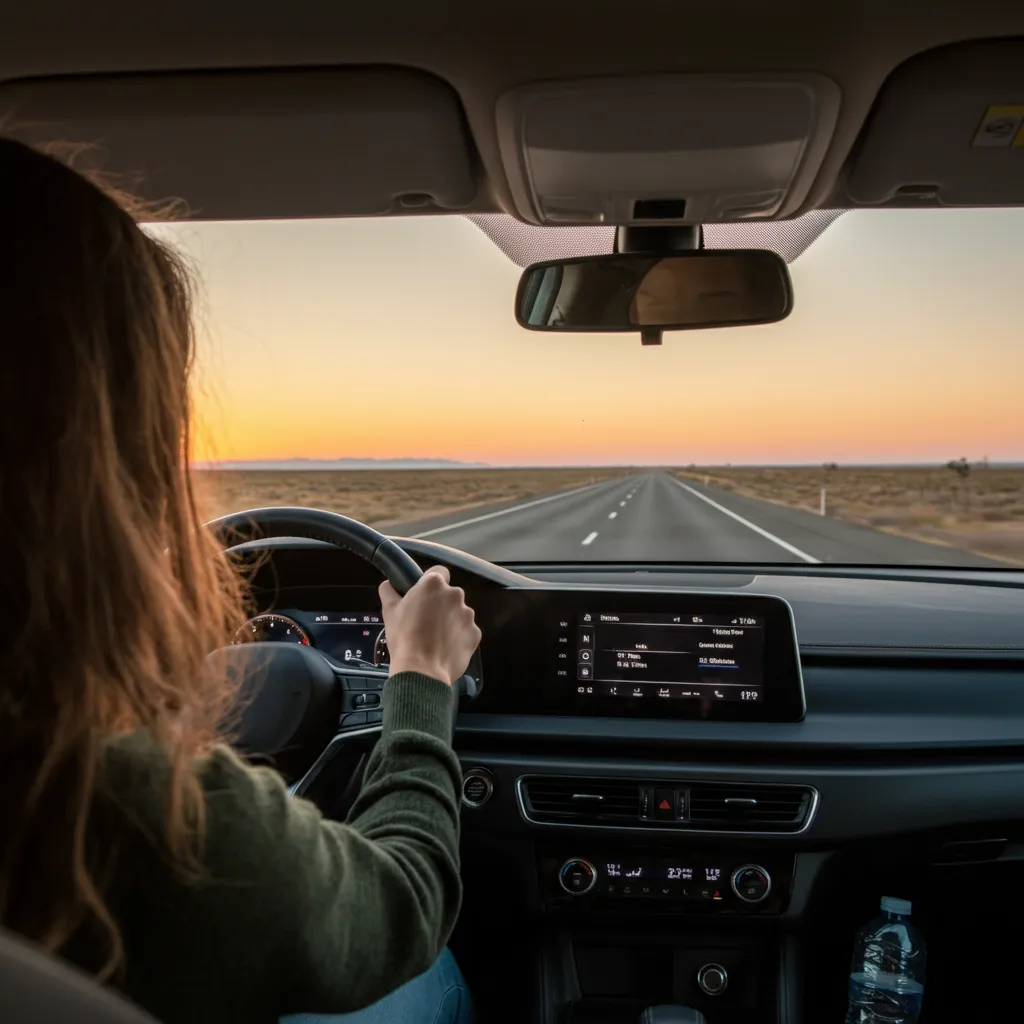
x: 396, y: 463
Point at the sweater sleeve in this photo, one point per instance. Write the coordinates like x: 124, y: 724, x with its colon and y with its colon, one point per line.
x: 352, y: 910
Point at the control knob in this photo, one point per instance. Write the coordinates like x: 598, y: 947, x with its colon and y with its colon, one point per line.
x: 751, y: 883
x: 577, y: 876
x: 713, y: 979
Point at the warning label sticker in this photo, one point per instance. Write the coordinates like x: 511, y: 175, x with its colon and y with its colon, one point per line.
x: 1002, y: 126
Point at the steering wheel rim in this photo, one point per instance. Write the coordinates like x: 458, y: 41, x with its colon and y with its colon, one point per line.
x: 291, y: 697
x: 398, y: 567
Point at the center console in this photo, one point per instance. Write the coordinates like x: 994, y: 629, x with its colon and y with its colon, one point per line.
x: 646, y: 881
x: 605, y: 976
x: 681, y: 924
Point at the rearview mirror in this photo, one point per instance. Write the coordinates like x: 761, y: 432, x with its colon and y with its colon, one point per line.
x: 678, y: 292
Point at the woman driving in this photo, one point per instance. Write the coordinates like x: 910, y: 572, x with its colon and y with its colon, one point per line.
x: 135, y: 843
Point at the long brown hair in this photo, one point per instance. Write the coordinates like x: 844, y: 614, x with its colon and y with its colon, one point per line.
x: 113, y: 592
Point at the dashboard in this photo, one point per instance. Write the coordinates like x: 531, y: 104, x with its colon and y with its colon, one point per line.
x: 700, y: 656
x: 882, y: 702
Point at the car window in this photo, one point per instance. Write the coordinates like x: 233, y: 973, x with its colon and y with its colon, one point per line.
x: 375, y: 367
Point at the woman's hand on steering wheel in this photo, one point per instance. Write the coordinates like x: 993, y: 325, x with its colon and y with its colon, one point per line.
x: 431, y: 629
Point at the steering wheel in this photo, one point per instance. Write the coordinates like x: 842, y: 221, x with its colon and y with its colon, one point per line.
x: 291, y: 696
x: 314, y: 524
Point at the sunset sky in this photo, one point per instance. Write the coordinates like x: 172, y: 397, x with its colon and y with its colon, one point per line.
x: 396, y: 338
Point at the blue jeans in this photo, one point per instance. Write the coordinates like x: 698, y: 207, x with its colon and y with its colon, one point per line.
x: 438, y: 996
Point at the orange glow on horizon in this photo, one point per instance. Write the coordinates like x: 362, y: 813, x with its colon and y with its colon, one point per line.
x: 396, y: 339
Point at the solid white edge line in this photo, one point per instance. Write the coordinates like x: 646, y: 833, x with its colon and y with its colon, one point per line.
x: 589, y: 539
x: 748, y: 524
x: 507, y: 511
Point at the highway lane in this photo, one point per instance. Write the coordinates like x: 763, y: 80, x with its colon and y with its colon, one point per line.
x: 654, y: 517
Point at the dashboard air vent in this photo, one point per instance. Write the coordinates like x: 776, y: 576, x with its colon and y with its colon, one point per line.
x: 737, y: 807
x: 582, y: 801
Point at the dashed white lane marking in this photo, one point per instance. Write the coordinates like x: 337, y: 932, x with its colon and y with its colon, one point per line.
x: 589, y: 539
x: 749, y: 525
x: 612, y: 515
x: 622, y: 504
x: 505, y: 511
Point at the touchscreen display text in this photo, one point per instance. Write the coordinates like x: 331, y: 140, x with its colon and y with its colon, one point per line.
x: 654, y: 657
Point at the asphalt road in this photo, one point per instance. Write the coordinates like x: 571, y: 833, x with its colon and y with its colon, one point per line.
x: 653, y: 517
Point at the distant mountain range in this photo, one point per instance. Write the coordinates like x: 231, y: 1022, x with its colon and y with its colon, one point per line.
x: 353, y: 464
x: 299, y: 464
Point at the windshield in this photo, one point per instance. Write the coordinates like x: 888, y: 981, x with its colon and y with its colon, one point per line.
x: 374, y: 367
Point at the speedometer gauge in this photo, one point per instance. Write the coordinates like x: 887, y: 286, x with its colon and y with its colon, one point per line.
x: 272, y: 627
x: 381, y: 654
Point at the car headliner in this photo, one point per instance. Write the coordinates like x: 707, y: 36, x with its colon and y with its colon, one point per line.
x: 482, y: 50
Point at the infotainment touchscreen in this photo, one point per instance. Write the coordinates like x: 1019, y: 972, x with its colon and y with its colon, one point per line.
x: 639, y: 654
x: 656, y: 657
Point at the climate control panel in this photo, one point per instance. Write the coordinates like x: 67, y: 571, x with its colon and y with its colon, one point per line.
x: 683, y: 880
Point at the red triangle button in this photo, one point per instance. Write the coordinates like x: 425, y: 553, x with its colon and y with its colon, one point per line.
x: 664, y: 806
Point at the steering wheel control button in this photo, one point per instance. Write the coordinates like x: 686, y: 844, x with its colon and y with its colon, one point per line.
x: 712, y: 979
x: 353, y: 718
x: 374, y: 717
x: 477, y: 787
x: 577, y: 876
x: 364, y: 682
x: 366, y: 700
x: 751, y: 883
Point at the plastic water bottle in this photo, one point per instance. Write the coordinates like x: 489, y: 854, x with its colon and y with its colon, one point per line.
x: 888, y: 970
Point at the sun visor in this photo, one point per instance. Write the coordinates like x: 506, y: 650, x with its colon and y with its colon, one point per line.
x: 672, y: 149
x: 947, y: 130
x: 268, y: 144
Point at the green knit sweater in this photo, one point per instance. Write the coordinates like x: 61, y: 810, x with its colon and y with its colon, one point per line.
x: 297, y: 913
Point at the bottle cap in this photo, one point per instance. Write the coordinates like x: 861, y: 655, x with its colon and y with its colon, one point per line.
x: 892, y: 905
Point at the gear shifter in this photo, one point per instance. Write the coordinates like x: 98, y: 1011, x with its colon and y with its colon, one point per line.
x: 671, y: 1015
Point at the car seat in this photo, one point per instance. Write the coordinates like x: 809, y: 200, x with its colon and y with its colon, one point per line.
x: 38, y: 989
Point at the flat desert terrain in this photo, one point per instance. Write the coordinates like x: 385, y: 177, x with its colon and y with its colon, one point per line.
x: 972, y: 508
x: 383, y: 497
x: 980, y: 510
